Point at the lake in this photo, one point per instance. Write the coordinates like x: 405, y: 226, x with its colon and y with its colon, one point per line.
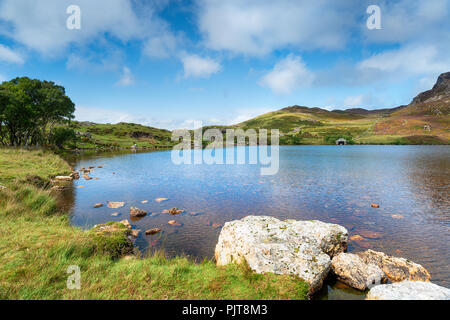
x: 335, y: 184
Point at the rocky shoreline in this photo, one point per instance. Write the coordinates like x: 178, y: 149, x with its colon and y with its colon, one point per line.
x: 312, y: 250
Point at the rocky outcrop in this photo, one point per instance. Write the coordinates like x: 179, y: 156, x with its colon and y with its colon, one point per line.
x: 396, y: 269
x: 409, y: 290
x: 266, y: 244
x: 137, y: 213
x: 441, y: 88
x: 350, y: 269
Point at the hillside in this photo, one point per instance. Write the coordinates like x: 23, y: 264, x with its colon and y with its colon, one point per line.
x: 121, y: 135
x: 426, y: 120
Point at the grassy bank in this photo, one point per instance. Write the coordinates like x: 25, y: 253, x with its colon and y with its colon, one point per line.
x: 37, y: 245
x: 121, y: 135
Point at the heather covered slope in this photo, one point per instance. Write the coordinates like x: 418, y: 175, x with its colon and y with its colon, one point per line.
x: 425, y: 121
x: 427, y: 117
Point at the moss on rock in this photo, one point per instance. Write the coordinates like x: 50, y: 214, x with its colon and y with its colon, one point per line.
x: 112, y: 238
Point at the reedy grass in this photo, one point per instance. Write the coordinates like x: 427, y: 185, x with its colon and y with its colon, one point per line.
x: 38, y: 244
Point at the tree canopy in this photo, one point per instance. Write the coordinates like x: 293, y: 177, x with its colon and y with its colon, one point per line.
x: 30, y: 109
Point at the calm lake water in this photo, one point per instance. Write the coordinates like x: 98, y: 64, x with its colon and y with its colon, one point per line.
x: 327, y: 183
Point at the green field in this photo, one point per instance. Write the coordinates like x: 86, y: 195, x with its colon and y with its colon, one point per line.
x: 38, y: 244
x: 121, y: 135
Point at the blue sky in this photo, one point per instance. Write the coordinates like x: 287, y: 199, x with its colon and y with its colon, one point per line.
x: 168, y: 63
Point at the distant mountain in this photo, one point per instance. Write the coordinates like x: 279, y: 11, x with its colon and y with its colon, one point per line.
x: 440, y: 91
x: 426, y: 120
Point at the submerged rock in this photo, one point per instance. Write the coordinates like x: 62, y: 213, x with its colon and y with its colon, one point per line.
x: 266, y: 244
x: 175, y: 223
x: 356, y: 237
x: 98, y: 205
x: 115, y: 205
x: 396, y: 269
x: 153, y: 231
x: 137, y: 213
x: 135, y: 233
x: 409, y: 290
x: 175, y: 211
x: 350, y: 269
x: 159, y: 200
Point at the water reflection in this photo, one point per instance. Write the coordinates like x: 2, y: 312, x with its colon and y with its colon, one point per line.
x: 328, y: 183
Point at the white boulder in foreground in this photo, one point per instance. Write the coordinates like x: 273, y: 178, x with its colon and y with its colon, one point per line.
x: 266, y: 244
x: 350, y: 269
x: 409, y: 290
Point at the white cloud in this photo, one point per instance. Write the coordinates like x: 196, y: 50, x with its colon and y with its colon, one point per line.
x: 3, y: 78
x: 127, y: 78
x: 287, y: 75
x: 259, y: 27
x: 353, y: 101
x: 198, y: 67
x: 104, y: 115
x: 10, y: 56
x: 162, y: 46
x: 100, y: 61
x: 407, y: 20
x: 409, y: 60
x: 41, y: 25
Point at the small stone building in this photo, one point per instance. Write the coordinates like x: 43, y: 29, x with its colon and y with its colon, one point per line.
x: 341, y: 142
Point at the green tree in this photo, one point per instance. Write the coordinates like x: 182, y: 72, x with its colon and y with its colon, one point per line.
x: 30, y: 109
x: 61, y: 136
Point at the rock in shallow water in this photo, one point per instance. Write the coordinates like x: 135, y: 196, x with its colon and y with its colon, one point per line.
x: 137, y: 213
x: 396, y: 269
x: 350, y: 269
x: 266, y: 244
x: 409, y: 290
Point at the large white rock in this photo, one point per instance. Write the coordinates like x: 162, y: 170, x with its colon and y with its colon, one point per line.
x: 266, y: 244
x: 409, y: 290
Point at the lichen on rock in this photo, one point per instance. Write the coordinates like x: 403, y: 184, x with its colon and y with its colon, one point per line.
x: 266, y: 244
x: 350, y: 269
x: 396, y: 269
x: 409, y: 290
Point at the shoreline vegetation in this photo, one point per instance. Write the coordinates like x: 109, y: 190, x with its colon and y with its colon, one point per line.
x: 47, y: 120
x: 38, y: 244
